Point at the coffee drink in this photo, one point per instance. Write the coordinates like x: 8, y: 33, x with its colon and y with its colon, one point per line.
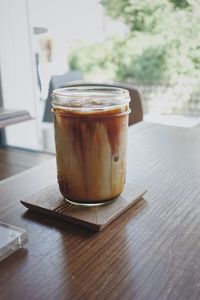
x: 91, y: 142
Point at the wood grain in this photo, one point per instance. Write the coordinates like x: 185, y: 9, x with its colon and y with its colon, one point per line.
x: 151, y: 252
x: 14, y: 160
x: 49, y: 201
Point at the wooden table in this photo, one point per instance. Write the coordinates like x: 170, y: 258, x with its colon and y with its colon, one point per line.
x: 151, y: 252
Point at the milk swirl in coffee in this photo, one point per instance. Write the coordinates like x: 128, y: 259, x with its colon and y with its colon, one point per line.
x: 91, y: 141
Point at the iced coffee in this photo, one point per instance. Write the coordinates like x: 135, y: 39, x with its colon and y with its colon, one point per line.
x: 91, y: 142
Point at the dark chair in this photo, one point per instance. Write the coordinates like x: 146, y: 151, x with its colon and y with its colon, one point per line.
x: 56, y: 82
x: 136, y: 114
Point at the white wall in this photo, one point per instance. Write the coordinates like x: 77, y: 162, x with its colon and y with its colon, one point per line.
x: 18, y: 71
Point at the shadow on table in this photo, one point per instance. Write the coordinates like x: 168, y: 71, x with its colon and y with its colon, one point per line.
x: 53, y: 222
x: 15, y: 259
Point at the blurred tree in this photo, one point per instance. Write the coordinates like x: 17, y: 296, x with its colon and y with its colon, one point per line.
x: 162, y: 44
x: 138, y: 15
x: 180, y: 3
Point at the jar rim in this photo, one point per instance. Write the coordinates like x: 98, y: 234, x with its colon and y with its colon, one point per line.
x: 90, y: 97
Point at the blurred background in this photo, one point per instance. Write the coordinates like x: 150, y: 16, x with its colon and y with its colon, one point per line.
x: 153, y: 45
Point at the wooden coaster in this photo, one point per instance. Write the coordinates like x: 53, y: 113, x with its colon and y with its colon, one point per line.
x: 50, y: 202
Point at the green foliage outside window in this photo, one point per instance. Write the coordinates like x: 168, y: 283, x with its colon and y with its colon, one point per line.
x: 163, y: 43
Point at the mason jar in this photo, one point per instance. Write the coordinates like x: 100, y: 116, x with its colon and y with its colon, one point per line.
x: 91, y: 125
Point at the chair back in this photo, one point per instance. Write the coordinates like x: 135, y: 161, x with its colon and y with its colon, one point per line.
x: 56, y: 82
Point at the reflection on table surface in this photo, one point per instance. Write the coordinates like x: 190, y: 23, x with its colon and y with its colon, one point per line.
x: 149, y: 252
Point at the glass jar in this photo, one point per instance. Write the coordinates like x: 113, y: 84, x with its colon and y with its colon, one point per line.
x: 91, y: 125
